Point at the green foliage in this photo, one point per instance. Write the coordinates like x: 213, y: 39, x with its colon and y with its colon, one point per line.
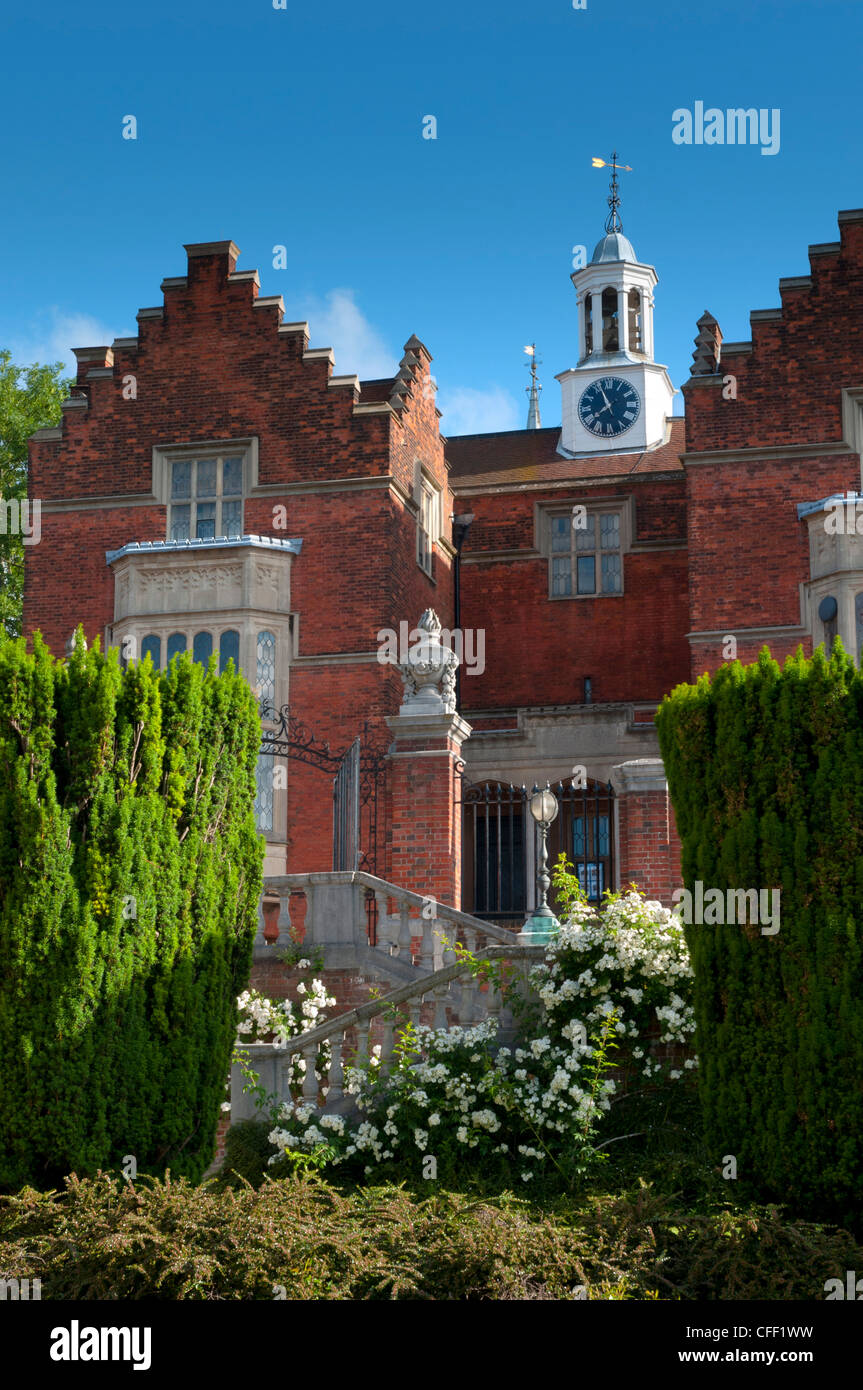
x: 247, y: 1149
x: 301, y: 1238
x: 29, y: 400
x: 765, y: 770
x: 130, y: 872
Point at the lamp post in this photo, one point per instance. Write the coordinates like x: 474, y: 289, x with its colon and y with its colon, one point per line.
x: 542, y: 925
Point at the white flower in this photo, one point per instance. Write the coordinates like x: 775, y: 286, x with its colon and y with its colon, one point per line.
x: 486, y: 1119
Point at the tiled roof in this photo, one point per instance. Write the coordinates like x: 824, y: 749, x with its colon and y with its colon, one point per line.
x: 530, y: 456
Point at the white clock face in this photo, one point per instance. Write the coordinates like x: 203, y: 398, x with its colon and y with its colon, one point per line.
x: 609, y: 407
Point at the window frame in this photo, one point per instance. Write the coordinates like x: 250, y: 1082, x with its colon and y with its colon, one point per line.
x: 595, y: 509
x: 192, y: 458
x: 427, y: 538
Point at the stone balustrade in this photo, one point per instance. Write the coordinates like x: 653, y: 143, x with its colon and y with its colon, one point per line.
x: 349, y: 915
x: 457, y: 995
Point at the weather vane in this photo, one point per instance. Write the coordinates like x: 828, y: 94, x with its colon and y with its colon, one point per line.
x: 612, y: 221
x: 532, y: 365
x: 533, y: 390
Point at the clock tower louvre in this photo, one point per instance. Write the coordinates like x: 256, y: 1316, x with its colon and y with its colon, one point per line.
x: 617, y: 399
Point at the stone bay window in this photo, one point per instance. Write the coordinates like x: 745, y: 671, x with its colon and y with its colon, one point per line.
x: 228, y: 596
x: 832, y: 599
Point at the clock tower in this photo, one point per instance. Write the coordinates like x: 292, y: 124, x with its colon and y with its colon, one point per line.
x: 617, y: 398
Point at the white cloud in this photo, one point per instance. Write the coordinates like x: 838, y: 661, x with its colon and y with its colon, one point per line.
x: 335, y: 321
x: 466, y: 410
x: 51, y: 335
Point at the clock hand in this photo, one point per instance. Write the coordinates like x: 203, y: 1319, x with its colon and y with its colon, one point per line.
x: 605, y: 398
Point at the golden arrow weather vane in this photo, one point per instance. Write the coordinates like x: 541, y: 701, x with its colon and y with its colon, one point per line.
x: 612, y: 221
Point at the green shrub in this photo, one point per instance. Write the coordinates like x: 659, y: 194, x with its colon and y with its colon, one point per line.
x: 130, y: 872
x: 765, y: 770
x: 105, y: 1239
x: 247, y: 1149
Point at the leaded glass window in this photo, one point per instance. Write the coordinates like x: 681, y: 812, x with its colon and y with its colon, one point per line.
x: 152, y: 647
x: 427, y: 527
x: 266, y: 669
x: 202, y: 647
x: 206, y: 498
x: 586, y: 554
x: 264, y: 791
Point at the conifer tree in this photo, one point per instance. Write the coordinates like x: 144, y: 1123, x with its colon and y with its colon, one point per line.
x: 130, y: 873
x: 765, y: 771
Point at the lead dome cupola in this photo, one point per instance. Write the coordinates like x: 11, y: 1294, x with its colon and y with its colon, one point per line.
x: 614, y: 246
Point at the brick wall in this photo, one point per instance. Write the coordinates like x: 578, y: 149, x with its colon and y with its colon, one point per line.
x: 749, y: 460
x: 538, y: 650
x: 649, y: 844
x: 424, y: 833
x: 211, y: 364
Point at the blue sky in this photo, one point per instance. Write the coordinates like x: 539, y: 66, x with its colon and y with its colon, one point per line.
x: 303, y: 127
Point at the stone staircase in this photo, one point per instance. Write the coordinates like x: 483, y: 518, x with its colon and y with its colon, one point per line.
x: 412, y: 952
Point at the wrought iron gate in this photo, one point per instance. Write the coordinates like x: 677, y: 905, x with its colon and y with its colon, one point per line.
x: 346, y: 810
x: 498, y: 832
x: 357, y: 780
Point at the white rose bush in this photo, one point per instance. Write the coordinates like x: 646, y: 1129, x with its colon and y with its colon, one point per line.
x: 613, y: 1013
x: 281, y: 1019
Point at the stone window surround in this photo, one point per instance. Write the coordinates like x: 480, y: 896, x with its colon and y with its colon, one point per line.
x: 545, y: 511
x: 163, y: 454
x: 427, y: 487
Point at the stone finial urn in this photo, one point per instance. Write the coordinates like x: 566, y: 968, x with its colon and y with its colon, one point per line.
x: 429, y: 671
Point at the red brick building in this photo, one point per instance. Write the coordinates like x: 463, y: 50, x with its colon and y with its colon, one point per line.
x: 216, y: 487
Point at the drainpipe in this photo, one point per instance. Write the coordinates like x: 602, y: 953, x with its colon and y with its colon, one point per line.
x: 460, y: 527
